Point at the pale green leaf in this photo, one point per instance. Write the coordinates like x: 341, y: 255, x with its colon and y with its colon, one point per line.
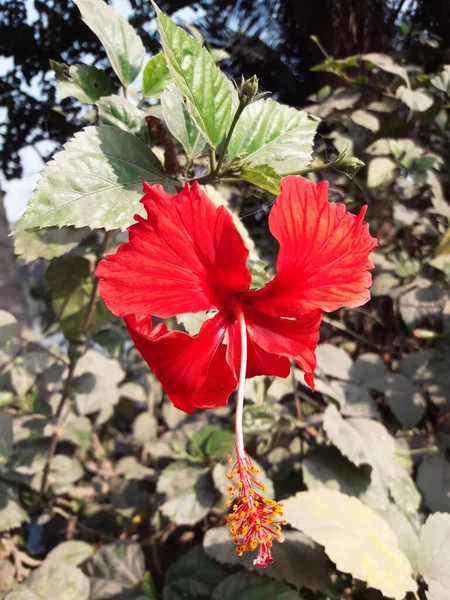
x: 54, y: 580
x: 73, y: 552
x: 365, y: 119
x: 96, y: 180
x: 144, y: 428
x: 12, y: 515
x: 434, y: 556
x: 70, y: 283
x: 297, y: 561
x: 155, y: 77
x: 403, y: 397
x: 48, y: 243
x: 386, y: 63
x: 190, y: 492
x: 83, y: 82
x: 365, y: 441
x: 123, y: 46
x: 381, y: 171
x: 180, y: 123
x: 334, y: 361
x: 442, y: 80
x: 122, y: 561
x: 205, y: 87
x: 417, y: 100
x: 95, y: 382
x: 273, y: 134
x: 6, y: 437
x: 355, y: 538
x: 263, y: 176
x: 9, y: 327
x: 118, y: 112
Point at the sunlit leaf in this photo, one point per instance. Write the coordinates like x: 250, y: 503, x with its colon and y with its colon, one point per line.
x: 118, y: 112
x: 204, y: 86
x: 83, y: 82
x: 123, y: 46
x: 156, y: 76
x: 263, y: 176
x: 180, y: 123
x: 434, y: 556
x: 96, y: 180
x: 273, y: 134
x: 355, y: 538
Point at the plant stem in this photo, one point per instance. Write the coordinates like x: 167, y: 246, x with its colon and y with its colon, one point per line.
x: 212, y: 161
x: 240, y: 452
x: 236, y: 117
x: 70, y: 374
x: 314, y: 169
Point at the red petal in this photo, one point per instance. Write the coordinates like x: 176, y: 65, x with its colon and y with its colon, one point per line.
x: 186, y: 257
x: 259, y: 362
x: 323, y: 260
x: 285, y: 337
x: 192, y: 370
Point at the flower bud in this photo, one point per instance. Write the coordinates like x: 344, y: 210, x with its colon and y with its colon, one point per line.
x: 248, y: 90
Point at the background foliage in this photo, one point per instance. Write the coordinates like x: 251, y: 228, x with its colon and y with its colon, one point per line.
x: 132, y: 503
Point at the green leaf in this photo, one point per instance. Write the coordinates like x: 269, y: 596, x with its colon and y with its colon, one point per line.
x: 193, y: 575
x: 364, y: 441
x: 9, y: 327
x: 83, y: 82
x: 190, y: 491
x: 96, y: 180
x: 403, y: 397
x: 381, y: 171
x: 155, y: 77
x: 115, y: 567
x: 73, y: 552
x: 297, y: 561
x: 219, y: 443
x: 6, y: 437
x: 123, y: 46
x: 417, y: 100
x: 70, y: 283
x: 273, y: 134
x: 120, y: 113
x: 433, y: 479
x: 355, y: 538
x: 48, y: 243
x: 205, y: 87
x: 264, y: 176
x: 180, y: 123
x: 434, y: 555
x: 253, y: 587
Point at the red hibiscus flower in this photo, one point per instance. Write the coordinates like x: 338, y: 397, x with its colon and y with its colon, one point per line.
x: 186, y: 257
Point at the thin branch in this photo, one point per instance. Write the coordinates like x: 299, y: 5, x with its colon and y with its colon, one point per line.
x: 236, y: 117
x: 343, y: 327
x: 70, y: 374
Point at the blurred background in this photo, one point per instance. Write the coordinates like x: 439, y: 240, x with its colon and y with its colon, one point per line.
x: 377, y: 74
